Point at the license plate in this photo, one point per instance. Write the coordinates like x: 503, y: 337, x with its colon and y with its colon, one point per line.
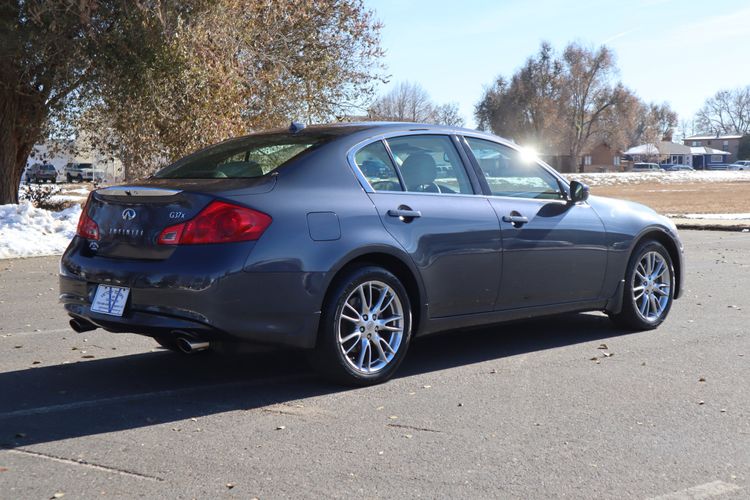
x: 110, y: 300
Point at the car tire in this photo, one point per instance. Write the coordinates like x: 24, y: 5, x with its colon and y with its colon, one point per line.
x: 352, y: 327
x: 80, y: 178
x: 69, y: 178
x: 649, y: 288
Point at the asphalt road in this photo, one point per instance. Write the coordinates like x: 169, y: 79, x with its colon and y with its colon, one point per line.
x: 529, y: 410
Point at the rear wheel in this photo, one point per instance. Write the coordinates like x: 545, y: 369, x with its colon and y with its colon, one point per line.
x: 70, y: 179
x: 649, y: 288
x: 365, y: 328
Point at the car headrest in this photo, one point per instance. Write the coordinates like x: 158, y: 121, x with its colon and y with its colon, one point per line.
x: 419, y: 169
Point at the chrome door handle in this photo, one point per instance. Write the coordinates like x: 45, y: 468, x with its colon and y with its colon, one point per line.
x: 406, y: 214
x: 515, y: 219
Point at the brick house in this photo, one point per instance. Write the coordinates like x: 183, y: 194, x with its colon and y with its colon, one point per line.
x: 729, y: 143
x: 600, y: 158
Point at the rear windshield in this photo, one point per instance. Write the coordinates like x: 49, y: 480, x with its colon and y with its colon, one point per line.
x: 244, y: 158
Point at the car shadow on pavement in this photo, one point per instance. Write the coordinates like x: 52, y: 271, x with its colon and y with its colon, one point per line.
x: 108, y: 395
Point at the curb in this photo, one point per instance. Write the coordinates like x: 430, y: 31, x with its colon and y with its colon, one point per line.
x: 710, y: 225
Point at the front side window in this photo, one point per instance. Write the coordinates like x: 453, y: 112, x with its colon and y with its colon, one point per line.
x: 375, y: 164
x: 508, y: 173
x: 430, y: 164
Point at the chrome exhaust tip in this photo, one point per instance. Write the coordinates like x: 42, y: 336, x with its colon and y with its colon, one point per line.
x: 189, y: 346
x: 81, y: 326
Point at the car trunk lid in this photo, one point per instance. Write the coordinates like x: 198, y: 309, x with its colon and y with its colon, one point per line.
x: 131, y: 217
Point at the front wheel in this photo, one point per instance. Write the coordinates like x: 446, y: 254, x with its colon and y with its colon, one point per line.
x: 365, y: 328
x: 649, y: 288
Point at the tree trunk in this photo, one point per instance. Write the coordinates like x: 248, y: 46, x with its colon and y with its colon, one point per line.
x: 572, y: 165
x: 21, y: 123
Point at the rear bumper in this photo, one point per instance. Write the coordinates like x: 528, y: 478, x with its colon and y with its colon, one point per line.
x: 200, y: 291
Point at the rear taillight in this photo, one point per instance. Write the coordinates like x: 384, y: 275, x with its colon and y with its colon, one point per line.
x: 219, y: 222
x: 87, y: 228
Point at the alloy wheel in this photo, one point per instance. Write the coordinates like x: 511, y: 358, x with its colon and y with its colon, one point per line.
x: 370, y: 327
x: 652, y: 282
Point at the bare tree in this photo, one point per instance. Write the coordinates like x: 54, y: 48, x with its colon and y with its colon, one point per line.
x: 567, y: 103
x: 526, y: 108
x: 407, y: 102
x: 686, y: 128
x: 410, y: 102
x: 646, y: 123
x: 448, y: 114
x: 589, y: 95
x: 727, y: 112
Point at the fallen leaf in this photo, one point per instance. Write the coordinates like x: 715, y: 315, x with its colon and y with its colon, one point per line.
x: 723, y: 410
x: 608, y: 354
x: 426, y: 386
x: 493, y: 371
x: 230, y: 485
x: 36, y: 362
x: 702, y: 379
x: 59, y: 494
x: 88, y: 356
x: 602, y: 346
x: 701, y: 402
x: 393, y: 417
x: 460, y: 404
x: 408, y: 436
x: 281, y: 427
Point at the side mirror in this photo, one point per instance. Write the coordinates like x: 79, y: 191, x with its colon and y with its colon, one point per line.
x: 578, y: 191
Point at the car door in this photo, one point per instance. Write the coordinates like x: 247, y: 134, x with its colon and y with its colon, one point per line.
x: 553, y: 251
x: 427, y: 202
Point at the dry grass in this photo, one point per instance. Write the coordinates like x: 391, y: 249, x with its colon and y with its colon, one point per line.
x: 704, y: 198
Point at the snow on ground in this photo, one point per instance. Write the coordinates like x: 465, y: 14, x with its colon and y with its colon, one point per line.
x: 26, y: 231
x: 713, y: 216
x: 623, y: 178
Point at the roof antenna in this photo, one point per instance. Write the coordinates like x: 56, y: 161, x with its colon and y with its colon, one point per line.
x: 296, y: 127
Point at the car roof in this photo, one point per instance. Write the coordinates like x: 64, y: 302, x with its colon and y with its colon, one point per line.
x: 376, y: 128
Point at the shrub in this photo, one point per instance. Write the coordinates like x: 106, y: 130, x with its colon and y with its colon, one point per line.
x: 41, y: 197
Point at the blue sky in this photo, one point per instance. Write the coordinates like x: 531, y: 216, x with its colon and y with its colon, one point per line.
x: 681, y: 52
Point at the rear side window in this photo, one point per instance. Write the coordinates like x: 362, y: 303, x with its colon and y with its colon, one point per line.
x: 375, y: 164
x: 510, y: 174
x: 252, y: 157
x: 430, y: 164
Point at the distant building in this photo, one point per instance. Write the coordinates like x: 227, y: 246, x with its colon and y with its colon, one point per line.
x: 698, y: 157
x: 728, y: 143
x: 600, y: 158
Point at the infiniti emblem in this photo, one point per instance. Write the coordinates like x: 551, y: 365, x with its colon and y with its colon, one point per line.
x: 128, y: 214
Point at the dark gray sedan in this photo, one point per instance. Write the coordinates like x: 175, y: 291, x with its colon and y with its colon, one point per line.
x: 348, y: 240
